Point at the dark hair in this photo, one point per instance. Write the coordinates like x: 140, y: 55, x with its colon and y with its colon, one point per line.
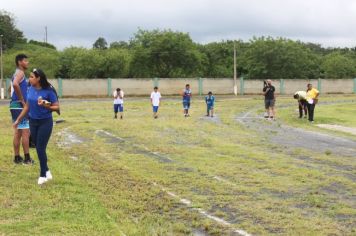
x: 118, y: 89
x: 210, y: 92
x: 155, y: 87
x: 19, y: 58
x: 187, y: 85
x: 309, y: 85
x: 296, y: 96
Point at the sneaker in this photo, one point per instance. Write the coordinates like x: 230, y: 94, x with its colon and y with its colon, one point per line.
x: 42, y: 180
x: 18, y: 159
x: 49, y: 175
x: 29, y: 161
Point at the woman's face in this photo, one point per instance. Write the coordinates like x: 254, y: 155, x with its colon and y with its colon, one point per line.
x: 34, y: 80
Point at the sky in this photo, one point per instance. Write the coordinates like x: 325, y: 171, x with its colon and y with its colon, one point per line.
x: 330, y: 23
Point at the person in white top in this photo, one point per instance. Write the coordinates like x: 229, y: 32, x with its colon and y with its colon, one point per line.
x: 118, y: 102
x: 155, y: 101
x: 301, y: 96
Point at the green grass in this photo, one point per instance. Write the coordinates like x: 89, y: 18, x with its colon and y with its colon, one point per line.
x: 228, y: 170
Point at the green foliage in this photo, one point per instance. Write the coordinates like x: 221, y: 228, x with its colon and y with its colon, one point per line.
x: 165, y: 54
x: 169, y: 54
x: 279, y: 58
x: 336, y: 66
x: 42, y: 44
x: 40, y: 57
x: 8, y: 29
x: 100, y: 43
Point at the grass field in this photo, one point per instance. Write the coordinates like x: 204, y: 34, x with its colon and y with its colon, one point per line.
x: 235, y: 174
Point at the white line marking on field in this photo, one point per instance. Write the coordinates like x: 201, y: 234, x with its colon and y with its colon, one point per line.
x: 202, y: 212
x: 134, y: 145
x: 109, y: 134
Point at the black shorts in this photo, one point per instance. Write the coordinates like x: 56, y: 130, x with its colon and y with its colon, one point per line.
x: 269, y: 103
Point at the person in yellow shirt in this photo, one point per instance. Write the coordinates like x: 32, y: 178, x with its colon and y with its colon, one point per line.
x: 301, y: 96
x: 312, y: 100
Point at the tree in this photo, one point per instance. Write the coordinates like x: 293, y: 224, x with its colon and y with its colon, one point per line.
x: 100, y: 43
x: 165, y: 54
x: 337, y: 66
x: 8, y: 29
x: 120, y: 44
x: 269, y: 58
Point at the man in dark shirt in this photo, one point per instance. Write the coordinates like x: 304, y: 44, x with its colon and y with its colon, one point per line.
x: 270, y: 99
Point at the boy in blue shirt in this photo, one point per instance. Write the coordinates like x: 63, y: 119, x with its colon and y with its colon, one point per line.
x: 187, y: 95
x: 210, y: 101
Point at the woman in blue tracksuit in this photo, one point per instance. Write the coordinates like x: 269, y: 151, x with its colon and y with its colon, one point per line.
x: 41, y: 102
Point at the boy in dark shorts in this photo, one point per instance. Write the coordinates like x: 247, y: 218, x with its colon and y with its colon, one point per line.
x: 270, y: 99
x: 19, y: 87
x: 187, y: 95
x: 210, y: 102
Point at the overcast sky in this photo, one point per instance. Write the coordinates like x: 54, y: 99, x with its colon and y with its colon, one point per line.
x: 80, y: 23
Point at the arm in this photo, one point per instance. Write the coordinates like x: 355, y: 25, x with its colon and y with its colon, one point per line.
x: 22, y: 115
x: 17, y: 89
x: 51, y: 106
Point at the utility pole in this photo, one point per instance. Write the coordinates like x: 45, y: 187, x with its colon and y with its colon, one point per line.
x: 235, y: 72
x: 2, y: 91
x: 46, y: 34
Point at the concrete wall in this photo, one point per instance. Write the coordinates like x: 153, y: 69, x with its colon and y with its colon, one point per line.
x: 143, y: 87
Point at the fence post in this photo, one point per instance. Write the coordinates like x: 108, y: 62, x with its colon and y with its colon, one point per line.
x: 60, y: 87
x: 281, y: 87
x: 109, y: 88
x: 200, y: 86
x: 242, y: 85
x: 7, y: 85
x: 155, y: 82
x: 355, y: 85
x: 319, y: 85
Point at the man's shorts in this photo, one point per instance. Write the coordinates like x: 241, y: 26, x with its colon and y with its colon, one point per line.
x: 186, y: 105
x: 15, y: 110
x: 269, y: 103
x: 118, y: 108
x: 155, y: 109
x: 210, y: 107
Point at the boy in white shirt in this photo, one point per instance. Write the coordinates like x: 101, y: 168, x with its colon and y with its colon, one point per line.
x: 118, y: 102
x: 155, y: 101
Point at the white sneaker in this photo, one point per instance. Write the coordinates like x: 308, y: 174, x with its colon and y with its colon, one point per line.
x: 42, y: 180
x: 49, y: 175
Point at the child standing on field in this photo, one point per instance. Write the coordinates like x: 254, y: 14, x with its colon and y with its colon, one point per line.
x: 118, y: 102
x: 210, y: 101
x: 155, y: 101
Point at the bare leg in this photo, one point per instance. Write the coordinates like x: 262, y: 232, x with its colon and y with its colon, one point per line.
x: 16, y: 141
x: 26, y: 141
x: 212, y: 112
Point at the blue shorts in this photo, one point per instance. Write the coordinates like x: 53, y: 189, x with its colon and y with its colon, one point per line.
x: 118, y: 108
x: 186, y: 105
x: 155, y: 109
x: 210, y: 107
x: 15, y: 110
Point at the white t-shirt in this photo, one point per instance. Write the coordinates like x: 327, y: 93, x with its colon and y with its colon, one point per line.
x: 155, y: 98
x: 118, y: 100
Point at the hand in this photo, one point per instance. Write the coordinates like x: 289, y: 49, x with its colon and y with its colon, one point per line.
x: 23, y: 103
x: 15, y: 124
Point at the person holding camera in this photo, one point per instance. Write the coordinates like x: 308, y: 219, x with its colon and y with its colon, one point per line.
x: 270, y: 99
x: 118, y: 103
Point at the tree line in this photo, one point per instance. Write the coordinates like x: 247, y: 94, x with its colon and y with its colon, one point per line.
x: 172, y: 54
